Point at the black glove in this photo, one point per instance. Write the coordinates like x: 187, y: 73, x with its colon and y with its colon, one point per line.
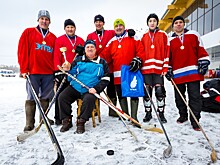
x: 203, y: 66
x: 135, y: 64
x: 131, y: 32
x: 80, y: 50
x: 58, y: 76
x: 169, y: 74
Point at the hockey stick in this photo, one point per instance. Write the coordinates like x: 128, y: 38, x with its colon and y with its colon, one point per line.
x: 111, y: 105
x: 60, y: 158
x: 168, y: 151
x: 213, y: 154
x: 28, y: 134
x: 123, y: 121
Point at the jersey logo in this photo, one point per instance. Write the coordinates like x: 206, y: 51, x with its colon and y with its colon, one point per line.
x: 44, y: 47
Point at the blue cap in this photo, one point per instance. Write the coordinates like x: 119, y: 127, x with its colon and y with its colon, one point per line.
x: 89, y: 42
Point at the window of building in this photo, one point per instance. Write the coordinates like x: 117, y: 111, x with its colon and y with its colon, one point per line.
x: 216, y: 14
x: 208, y: 22
x: 201, y: 25
x: 194, y: 26
x: 201, y: 8
x: 209, y: 5
x: 215, y: 2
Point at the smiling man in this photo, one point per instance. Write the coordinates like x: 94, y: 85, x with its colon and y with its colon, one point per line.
x: 35, y: 57
x: 188, y: 64
x: 92, y: 71
x: 69, y: 42
x: 122, y: 50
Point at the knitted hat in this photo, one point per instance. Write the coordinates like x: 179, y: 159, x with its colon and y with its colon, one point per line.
x: 153, y: 15
x: 89, y: 42
x: 119, y: 22
x: 178, y: 18
x: 69, y: 22
x: 99, y: 18
x: 43, y: 13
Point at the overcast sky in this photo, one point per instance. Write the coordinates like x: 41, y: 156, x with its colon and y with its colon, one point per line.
x: 17, y: 15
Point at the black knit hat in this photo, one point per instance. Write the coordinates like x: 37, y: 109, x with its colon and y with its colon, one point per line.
x: 153, y: 15
x: 69, y: 22
x: 178, y: 18
x: 99, y: 18
x: 89, y: 42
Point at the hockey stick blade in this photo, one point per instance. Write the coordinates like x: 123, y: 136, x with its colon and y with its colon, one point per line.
x: 167, y: 152
x: 59, y: 161
x: 152, y: 128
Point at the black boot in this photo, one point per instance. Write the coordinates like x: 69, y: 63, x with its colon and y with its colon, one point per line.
x: 162, y: 117
x: 80, y: 126
x: 45, y: 103
x: 30, y: 109
x: 147, y: 117
x: 67, y: 124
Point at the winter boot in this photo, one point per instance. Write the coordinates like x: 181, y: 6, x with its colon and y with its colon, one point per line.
x: 162, y: 117
x: 67, y: 124
x: 147, y: 106
x: 80, y: 126
x: 30, y: 109
x: 195, y: 126
x: 134, y: 108
x: 182, y: 119
x: 45, y: 103
x: 111, y: 111
x: 147, y: 117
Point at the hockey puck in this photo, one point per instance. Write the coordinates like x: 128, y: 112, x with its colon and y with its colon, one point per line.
x: 110, y: 152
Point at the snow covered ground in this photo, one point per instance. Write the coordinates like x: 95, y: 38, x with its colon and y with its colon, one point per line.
x: 189, y: 146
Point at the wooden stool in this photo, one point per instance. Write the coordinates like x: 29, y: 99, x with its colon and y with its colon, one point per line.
x: 95, y: 110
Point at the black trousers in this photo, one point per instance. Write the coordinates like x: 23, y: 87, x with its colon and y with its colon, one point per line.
x: 111, y: 91
x: 68, y: 96
x: 57, y: 111
x: 193, y: 90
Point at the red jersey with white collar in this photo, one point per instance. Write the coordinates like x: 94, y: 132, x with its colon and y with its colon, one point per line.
x: 157, y: 50
x: 120, y: 51
x: 185, y: 61
x: 64, y: 41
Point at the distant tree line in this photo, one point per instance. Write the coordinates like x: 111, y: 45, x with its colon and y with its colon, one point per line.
x: 15, y: 68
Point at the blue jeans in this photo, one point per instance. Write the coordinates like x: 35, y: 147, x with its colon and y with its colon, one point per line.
x: 42, y: 84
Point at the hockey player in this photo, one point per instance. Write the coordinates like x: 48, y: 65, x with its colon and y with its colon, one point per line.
x: 188, y: 64
x: 71, y: 43
x: 35, y: 57
x: 155, y: 66
x: 122, y: 50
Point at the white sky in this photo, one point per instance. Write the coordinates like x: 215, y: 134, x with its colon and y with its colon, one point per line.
x: 19, y: 15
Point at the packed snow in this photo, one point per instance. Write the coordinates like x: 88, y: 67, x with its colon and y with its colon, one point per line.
x: 90, y: 148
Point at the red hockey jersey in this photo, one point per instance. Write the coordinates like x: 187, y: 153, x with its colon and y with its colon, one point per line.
x: 63, y: 41
x: 185, y: 61
x: 101, y: 42
x: 122, y: 53
x: 34, y: 55
x: 157, y: 52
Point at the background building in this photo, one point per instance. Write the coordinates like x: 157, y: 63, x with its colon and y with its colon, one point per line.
x: 202, y: 16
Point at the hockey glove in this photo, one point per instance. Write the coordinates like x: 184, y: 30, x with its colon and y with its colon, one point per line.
x: 58, y: 76
x: 80, y: 50
x: 135, y: 64
x: 203, y: 66
x: 169, y: 74
x: 131, y: 33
